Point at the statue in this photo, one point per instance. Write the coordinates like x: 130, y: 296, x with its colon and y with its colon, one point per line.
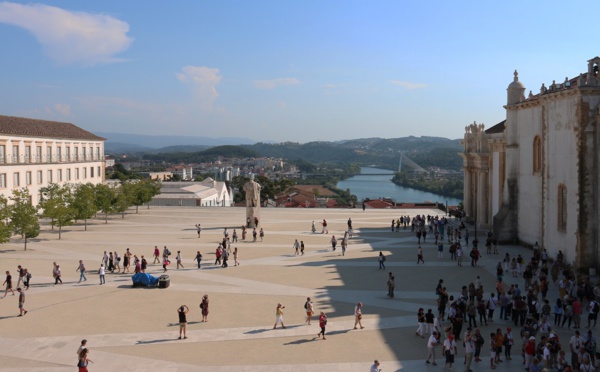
x: 252, y: 189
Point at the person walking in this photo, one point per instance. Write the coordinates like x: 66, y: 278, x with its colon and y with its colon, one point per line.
x: 302, y: 247
x: 8, y: 284
x: 83, y: 360
x: 235, y: 257
x: 375, y: 366
x: 381, y: 259
x: 450, y: 350
x: 322, y: 324
x: 421, y: 322
x: 308, y: 306
x: 22, y: 310
x: 296, y: 247
x: 204, y: 308
x: 156, y: 255
x: 261, y: 234
x: 391, y: 285
x: 420, y: 255
x: 279, y: 316
x: 358, y: 316
x: 81, y: 269
x: 178, y: 259
x: 101, y: 273
x: 57, y: 274
x: 21, y: 277
x: 333, y: 242
x: 199, y: 230
x: 469, y: 348
x: 182, y: 312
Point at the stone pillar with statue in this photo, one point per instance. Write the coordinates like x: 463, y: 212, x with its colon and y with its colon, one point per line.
x: 252, y: 189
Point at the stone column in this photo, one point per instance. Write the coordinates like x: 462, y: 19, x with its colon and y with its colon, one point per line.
x: 467, y: 202
x: 482, y: 200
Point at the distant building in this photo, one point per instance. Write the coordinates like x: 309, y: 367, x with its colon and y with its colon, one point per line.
x: 534, y: 176
x: 208, y: 193
x: 186, y: 173
x: 35, y: 153
x: 109, y: 162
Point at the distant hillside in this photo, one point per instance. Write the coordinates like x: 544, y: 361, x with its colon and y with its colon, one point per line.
x: 210, y: 154
x: 380, y: 152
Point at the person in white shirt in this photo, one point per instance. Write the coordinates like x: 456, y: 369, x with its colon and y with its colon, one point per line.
x: 101, y: 273
x: 434, y: 340
x: 450, y: 351
x: 375, y: 366
x: 575, y: 342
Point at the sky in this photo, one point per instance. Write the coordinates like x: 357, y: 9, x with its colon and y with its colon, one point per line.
x: 283, y: 70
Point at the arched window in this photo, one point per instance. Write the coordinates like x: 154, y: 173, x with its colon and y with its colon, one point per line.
x: 537, y: 154
x: 562, y: 207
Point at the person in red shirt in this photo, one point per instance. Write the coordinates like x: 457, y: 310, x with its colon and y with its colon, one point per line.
x: 322, y: 324
x: 529, y: 351
x: 577, y: 309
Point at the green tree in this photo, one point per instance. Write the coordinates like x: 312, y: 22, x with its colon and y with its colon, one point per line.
x: 56, y: 204
x: 23, y: 215
x: 143, y: 191
x: 106, y: 198
x: 124, y: 196
x: 84, y: 202
x: 6, y: 228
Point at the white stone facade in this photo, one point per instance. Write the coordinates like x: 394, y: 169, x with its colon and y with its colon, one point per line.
x: 534, y: 177
x: 35, y: 161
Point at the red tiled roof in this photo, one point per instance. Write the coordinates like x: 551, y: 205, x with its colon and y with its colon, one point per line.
x: 44, y: 128
x: 379, y: 204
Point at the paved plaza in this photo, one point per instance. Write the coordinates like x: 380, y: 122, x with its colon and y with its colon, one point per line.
x: 136, y: 329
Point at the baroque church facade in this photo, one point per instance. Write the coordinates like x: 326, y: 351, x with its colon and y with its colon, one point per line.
x: 534, y: 176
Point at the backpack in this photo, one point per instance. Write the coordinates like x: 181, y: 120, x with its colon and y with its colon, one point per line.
x: 306, y: 305
x: 596, y: 307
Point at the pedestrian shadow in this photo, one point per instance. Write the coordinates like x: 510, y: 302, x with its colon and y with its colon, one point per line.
x: 257, y: 331
x: 177, y: 324
x: 340, y: 332
x: 141, y: 342
x: 300, y: 342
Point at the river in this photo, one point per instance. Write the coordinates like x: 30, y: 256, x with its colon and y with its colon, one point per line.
x: 374, y: 187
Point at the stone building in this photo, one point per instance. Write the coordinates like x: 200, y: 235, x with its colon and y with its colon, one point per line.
x: 35, y: 153
x: 534, y: 176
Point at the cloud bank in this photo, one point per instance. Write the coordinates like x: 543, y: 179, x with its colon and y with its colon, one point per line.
x: 408, y: 85
x: 203, y: 82
x: 67, y: 36
x: 275, y: 83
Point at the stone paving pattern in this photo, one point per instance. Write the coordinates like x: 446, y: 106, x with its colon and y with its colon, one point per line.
x: 136, y: 329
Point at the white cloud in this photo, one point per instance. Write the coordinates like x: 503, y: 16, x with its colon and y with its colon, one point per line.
x: 275, y: 83
x: 63, y: 108
x: 203, y: 81
x: 408, y: 85
x: 69, y: 36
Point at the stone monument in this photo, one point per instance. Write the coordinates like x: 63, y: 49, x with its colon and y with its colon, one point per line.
x: 252, y: 189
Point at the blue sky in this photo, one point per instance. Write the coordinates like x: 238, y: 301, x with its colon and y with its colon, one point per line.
x: 284, y: 70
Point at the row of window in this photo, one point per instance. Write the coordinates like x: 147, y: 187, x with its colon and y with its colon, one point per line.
x: 78, y: 153
x: 58, y: 175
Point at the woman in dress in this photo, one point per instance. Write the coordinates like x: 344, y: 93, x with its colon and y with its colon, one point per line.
x: 279, y: 316
x: 235, y: 257
x: 204, y: 307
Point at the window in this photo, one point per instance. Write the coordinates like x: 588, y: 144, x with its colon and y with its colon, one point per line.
x: 27, y: 154
x: 38, y: 154
x: 76, y: 173
x: 97, y: 153
x: 48, y: 154
x: 76, y: 152
x: 562, y: 207
x: 28, y: 178
x: 68, y: 174
x: 3, y: 180
x: 91, y: 172
x: 59, y: 175
x: 99, y: 171
x: 91, y: 153
x: 49, y: 180
x: 83, y: 154
x: 40, y: 177
x: 537, y: 154
x: 15, y: 153
x: 16, y: 179
x: 59, y: 153
x: 84, y: 172
x: 2, y: 154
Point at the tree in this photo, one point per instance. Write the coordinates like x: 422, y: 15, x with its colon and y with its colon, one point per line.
x: 6, y: 229
x: 56, y: 204
x: 105, y: 199
x: 143, y: 191
x: 124, y: 196
x: 84, y: 202
x: 23, y: 214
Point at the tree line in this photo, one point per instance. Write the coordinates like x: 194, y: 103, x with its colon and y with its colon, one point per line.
x: 66, y: 204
